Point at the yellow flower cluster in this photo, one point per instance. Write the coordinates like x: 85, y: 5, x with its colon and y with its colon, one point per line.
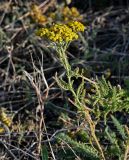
x: 42, y: 32
x: 61, y: 32
x: 37, y: 15
x: 5, y: 120
x: 76, y: 26
x: 65, y: 14
x: 71, y: 14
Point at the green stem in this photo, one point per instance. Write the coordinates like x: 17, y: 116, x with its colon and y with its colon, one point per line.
x: 68, y: 71
x: 78, y: 104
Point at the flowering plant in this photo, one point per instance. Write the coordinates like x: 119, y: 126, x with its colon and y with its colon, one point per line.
x: 61, y: 35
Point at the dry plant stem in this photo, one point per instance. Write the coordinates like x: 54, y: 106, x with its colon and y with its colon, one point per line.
x: 6, y: 9
x: 25, y: 153
x: 10, y: 63
x: 9, y: 151
x: 49, y: 4
x: 41, y: 101
x: 41, y: 108
x: 127, y: 145
x: 48, y: 140
x: 126, y: 152
x: 92, y: 128
x: 41, y: 105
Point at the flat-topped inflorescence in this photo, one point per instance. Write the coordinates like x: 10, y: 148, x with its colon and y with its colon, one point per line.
x: 62, y: 32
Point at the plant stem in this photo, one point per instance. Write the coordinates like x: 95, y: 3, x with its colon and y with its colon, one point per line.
x: 78, y: 104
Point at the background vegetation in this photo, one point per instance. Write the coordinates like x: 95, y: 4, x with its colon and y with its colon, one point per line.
x: 38, y: 119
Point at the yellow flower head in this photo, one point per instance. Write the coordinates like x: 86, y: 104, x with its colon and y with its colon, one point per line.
x: 61, y: 32
x: 76, y: 26
x: 42, y: 32
x: 75, y: 12
x: 70, y: 13
x: 66, y: 11
x: 37, y: 15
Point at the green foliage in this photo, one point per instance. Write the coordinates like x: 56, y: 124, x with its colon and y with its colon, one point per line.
x: 83, y: 135
x: 119, y: 127
x: 82, y: 149
x: 77, y: 72
x: 62, y: 84
x: 44, y: 153
x: 108, y: 98
x: 79, y: 91
x: 116, y: 148
x: 3, y: 38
